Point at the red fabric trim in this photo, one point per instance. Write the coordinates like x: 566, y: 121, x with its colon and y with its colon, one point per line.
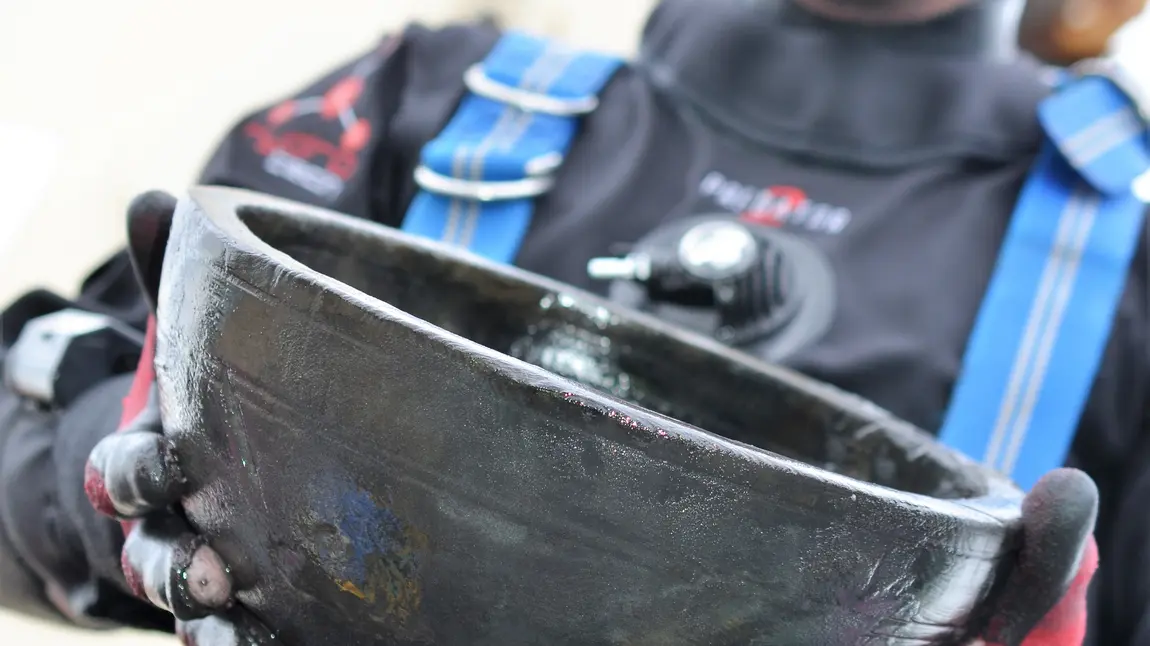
x: 1065, y: 625
x: 137, y: 398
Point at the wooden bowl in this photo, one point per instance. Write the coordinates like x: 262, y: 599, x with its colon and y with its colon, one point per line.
x: 395, y: 443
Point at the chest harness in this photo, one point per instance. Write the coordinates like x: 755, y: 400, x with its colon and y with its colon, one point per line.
x: 1043, y: 325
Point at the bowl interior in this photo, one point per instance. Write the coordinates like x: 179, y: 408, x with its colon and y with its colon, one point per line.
x: 585, y: 339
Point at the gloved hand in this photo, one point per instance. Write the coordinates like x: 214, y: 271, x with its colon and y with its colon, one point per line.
x: 134, y: 476
x: 1041, y: 606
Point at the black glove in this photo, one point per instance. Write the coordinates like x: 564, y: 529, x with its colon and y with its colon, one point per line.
x: 134, y: 475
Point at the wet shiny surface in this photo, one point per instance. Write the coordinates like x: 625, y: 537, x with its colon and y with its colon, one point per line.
x: 376, y: 469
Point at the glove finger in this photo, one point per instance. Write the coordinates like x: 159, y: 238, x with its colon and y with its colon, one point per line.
x: 149, y: 227
x: 1058, y: 516
x: 133, y: 473
x: 236, y: 627
x: 173, y: 568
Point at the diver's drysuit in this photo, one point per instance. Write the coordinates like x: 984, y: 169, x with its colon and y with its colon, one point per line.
x: 880, y: 164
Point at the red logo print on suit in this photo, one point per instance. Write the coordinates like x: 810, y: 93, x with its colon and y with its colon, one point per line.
x: 321, y: 159
x: 774, y: 206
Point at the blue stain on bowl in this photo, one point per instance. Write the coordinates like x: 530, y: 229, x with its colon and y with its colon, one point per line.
x: 371, y: 530
x: 369, y: 551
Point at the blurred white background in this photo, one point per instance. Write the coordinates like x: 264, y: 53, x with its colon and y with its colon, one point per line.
x: 101, y: 100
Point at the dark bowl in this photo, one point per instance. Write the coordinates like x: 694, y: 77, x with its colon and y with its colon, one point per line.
x: 396, y: 443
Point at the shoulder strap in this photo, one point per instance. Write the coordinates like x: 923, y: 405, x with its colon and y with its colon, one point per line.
x: 500, y: 151
x: 1045, y: 321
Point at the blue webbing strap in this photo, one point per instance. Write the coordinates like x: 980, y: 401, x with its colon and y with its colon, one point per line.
x: 1045, y: 321
x: 480, y: 176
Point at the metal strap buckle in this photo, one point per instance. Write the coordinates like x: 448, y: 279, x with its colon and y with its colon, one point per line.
x: 1141, y: 187
x: 1111, y: 70
x: 527, y: 187
x: 539, y: 179
x: 483, y: 85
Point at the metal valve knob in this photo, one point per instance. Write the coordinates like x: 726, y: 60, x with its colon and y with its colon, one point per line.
x: 717, y: 264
